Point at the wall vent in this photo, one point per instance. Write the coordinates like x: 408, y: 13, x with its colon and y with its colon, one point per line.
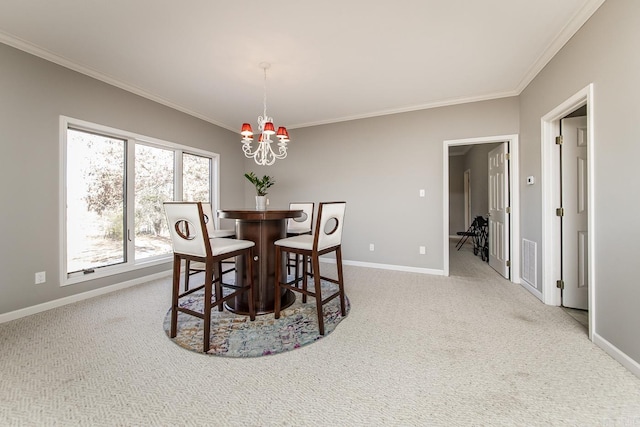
x: 530, y: 262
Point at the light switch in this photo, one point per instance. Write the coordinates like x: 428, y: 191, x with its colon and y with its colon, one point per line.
x: 422, y: 192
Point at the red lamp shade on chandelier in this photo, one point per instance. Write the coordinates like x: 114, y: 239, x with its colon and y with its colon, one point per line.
x: 246, y: 130
x: 269, y: 129
x: 282, y: 134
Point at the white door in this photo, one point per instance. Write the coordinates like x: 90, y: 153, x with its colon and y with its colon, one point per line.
x: 575, y: 261
x: 498, y: 204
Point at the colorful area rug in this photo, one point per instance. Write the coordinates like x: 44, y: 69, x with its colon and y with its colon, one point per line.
x: 236, y: 336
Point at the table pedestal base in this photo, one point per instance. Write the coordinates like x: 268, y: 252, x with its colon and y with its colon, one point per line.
x: 263, y: 227
x: 287, y: 299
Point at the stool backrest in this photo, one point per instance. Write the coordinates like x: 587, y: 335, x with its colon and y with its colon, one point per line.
x: 304, y: 223
x: 209, y: 219
x: 187, y: 228
x: 329, y: 226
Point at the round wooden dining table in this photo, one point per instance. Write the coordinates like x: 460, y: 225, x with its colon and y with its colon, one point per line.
x: 263, y: 227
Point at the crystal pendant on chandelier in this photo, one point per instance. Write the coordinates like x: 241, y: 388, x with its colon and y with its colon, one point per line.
x: 264, y: 154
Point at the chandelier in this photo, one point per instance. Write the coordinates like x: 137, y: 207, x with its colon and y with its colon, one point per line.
x: 264, y: 154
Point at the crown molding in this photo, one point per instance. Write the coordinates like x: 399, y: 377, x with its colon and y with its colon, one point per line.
x: 35, y: 50
x: 558, y: 42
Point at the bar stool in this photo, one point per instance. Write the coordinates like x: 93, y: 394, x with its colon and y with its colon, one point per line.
x: 191, y: 242
x: 213, y: 232
x: 327, y: 238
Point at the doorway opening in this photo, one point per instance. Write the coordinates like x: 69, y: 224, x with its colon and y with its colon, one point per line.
x: 554, y: 250
x: 514, y: 237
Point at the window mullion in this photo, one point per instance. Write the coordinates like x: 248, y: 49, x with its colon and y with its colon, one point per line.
x: 130, y: 201
x: 177, y: 176
x: 214, y: 193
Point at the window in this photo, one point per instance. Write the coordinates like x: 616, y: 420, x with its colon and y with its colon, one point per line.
x: 196, y: 171
x: 113, y: 187
x: 154, y: 184
x: 95, y: 201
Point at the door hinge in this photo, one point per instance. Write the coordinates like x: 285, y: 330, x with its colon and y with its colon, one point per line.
x: 559, y: 140
x: 560, y: 284
x: 508, y: 263
x: 508, y: 209
x: 560, y: 212
x: 507, y: 156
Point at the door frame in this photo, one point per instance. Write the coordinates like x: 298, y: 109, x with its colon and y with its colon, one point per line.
x: 514, y: 195
x: 550, y: 128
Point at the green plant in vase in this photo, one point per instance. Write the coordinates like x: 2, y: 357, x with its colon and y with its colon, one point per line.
x: 262, y: 185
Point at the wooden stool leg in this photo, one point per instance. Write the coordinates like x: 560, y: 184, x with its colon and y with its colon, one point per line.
x: 174, y: 298
x: 208, y: 277
x: 248, y: 255
x: 297, y: 268
x: 341, y: 281
x: 276, y: 305
x: 318, y: 291
x: 304, y: 278
x: 217, y: 278
x: 187, y: 273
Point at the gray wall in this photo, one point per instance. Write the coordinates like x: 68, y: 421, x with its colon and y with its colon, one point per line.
x: 604, y: 52
x: 34, y: 93
x: 456, y: 194
x: 378, y: 166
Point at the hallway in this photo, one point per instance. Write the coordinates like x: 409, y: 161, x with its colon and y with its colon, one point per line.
x: 463, y: 263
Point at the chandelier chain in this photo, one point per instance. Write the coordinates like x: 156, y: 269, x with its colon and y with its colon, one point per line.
x: 265, y: 92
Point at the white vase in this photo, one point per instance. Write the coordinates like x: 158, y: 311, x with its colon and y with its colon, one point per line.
x: 261, y: 203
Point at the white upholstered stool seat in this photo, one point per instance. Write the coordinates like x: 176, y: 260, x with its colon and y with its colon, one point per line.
x: 218, y: 234
x: 221, y: 246
x: 304, y: 242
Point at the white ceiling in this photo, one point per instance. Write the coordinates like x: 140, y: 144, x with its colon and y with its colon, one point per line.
x: 331, y: 60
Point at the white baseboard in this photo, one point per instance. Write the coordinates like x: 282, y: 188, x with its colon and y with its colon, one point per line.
x: 617, y: 354
x: 23, y: 312
x: 387, y: 266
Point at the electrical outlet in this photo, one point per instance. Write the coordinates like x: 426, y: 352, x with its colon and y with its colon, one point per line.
x: 423, y: 250
x: 41, y: 277
x: 371, y: 247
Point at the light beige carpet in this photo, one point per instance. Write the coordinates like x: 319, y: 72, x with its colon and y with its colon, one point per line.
x: 415, y: 350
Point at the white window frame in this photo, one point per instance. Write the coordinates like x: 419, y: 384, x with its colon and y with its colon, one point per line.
x: 132, y: 139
